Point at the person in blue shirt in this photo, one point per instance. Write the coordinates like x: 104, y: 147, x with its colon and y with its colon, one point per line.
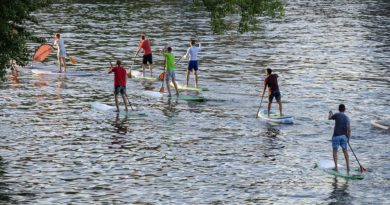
x: 341, y: 134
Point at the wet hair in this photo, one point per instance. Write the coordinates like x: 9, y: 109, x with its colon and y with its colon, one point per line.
x: 269, y: 71
x: 118, y: 62
x: 193, y: 42
x: 341, y: 107
x: 169, y: 49
x: 58, y: 35
x: 143, y: 37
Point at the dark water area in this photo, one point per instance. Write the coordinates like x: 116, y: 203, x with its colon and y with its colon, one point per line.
x: 56, y: 149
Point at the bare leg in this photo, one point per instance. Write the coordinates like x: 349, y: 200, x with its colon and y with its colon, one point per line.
x: 280, y: 108
x: 346, y: 156
x: 150, y: 68
x: 124, y: 100
x: 188, y: 76
x: 174, y: 83
x: 196, y: 78
x: 169, y: 89
x: 64, y: 62
x: 335, y: 159
x: 59, y: 63
x: 143, y: 70
x: 116, y: 103
x: 269, y: 107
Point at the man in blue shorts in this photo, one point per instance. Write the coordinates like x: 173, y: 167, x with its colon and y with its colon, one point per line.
x: 192, y: 53
x: 341, y: 134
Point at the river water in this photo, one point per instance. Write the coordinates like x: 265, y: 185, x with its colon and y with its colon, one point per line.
x: 56, y: 149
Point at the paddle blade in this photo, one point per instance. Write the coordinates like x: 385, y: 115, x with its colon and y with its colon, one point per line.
x: 129, y: 75
x: 72, y: 60
x: 161, y: 76
x: 42, y: 52
x: 162, y: 89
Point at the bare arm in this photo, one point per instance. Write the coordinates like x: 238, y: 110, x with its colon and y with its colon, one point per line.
x: 111, y: 67
x: 330, y: 115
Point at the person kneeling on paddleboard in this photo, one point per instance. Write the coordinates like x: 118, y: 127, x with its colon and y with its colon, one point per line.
x: 271, y: 80
x: 341, y: 134
x: 119, y: 83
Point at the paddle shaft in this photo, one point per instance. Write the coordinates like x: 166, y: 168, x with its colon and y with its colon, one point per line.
x: 258, y: 110
x: 361, y: 167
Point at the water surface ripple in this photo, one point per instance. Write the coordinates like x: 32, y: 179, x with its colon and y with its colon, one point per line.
x: 55, y: 149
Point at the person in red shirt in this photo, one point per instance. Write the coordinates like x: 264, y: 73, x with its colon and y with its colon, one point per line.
x: 144, y: 43
x: 271, y: 80
x: 119, y: 83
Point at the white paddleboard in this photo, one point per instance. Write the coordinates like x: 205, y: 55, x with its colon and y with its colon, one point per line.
x: 155, y: 94
x: 328, y: 166
x: 107, y: 108
x: 381, y: 124
x: 273, y: 117
x: 184, y: 87
x: 55, y: 72
x: 135, y: 74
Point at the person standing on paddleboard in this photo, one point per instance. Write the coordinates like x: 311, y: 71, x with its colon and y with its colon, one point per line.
x: 144, y: 43
x: 271, y: 80
x: 170, y: 70
x: 341, y: 134
x: 192, y: 53
x: 61, y: 52
x: 119, y: 83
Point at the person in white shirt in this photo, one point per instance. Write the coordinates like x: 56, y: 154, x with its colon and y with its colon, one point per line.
x: 61, y: 52
x: 192, y: 53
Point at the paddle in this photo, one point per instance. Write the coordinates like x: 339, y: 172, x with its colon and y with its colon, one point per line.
x: 162, y: 84
x: 73, y: 61
x: 362, y: 169
x: 261, y: 101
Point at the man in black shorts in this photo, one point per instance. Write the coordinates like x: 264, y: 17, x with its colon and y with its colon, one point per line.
x: 144, y: 43
x: 271, y: 80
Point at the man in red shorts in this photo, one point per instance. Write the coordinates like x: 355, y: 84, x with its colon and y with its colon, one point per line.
x: 144, y: 43
x: 271, y: 80
x: 119, y: 83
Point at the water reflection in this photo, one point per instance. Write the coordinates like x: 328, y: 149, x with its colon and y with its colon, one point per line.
x: 120, y: 125
x: 169, y: 110
x: 339, y: 195
x: 4, y: 196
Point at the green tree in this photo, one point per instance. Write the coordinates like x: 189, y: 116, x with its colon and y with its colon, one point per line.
x: 14, y: 16
x: 247, y: 10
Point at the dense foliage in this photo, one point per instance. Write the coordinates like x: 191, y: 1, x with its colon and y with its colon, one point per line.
x: 14, y: 14
x: 247, y: 10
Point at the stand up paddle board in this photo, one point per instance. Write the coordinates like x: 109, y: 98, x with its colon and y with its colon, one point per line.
x: 156, y: 94
x: 184, y: 87
x: 38, y: 71
x: 381, y: 124
x: 138, y: 75
x: 107, y: 108
x: 276, y: 118
x: 328, y: 165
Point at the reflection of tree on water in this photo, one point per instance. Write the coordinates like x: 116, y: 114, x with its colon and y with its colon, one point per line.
x: 4, y: 197
x: 339, y: 195
x: 248, y: 11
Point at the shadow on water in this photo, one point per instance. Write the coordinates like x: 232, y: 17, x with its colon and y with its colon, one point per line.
x: 339, y: 195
